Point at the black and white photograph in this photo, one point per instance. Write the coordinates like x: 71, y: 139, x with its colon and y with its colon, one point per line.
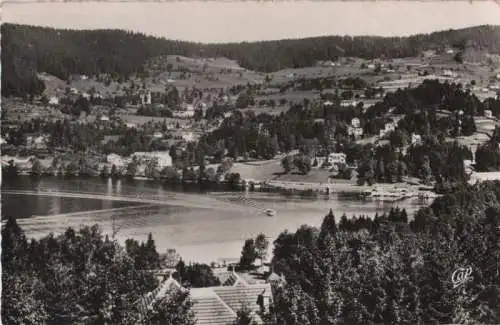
x: 251, y: 162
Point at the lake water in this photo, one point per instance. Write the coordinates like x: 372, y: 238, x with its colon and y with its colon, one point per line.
x: 201, y: 226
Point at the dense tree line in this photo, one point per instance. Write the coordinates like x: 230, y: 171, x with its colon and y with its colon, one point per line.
x: 389, y: 271
x: 28, y: 50
x: 78, y: 277
x: 420, y: 106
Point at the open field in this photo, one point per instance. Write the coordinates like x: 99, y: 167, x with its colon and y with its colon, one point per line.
x: 202, y: 73
x: 52, y: 84
x: 271, y: 170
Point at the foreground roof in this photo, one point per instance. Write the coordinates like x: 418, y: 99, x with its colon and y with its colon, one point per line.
x: 216, y: 305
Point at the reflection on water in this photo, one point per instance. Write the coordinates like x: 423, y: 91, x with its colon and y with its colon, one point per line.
x: 216, y: 226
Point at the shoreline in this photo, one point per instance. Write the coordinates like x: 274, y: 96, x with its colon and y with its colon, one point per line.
x: 277, y: 186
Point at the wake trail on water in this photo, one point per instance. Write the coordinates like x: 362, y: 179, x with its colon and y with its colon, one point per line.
x: 57, y: 216
x: 174, y: 199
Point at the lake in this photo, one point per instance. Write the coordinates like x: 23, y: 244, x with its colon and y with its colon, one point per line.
x: 202, y: 227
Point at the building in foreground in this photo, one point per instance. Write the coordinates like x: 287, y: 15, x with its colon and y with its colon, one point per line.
x: 219, y: 305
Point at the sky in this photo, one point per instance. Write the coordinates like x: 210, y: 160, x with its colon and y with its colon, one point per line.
x: 227, y: 21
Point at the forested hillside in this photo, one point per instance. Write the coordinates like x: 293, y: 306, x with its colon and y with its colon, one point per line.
x: 29, y: 49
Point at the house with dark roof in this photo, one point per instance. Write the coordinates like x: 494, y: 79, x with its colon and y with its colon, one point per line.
x: 218, y: 305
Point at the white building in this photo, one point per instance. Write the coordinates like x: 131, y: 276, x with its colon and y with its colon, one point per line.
x: 146, y: 98
x: 104, y: 118
x: 449, y: 73
x: 183, y: 114
x: 355, y: 131
x: 468, y: 166
x: 337, y: 158
x: 389, y: 127
x: 416, y: 139
x: 347, y: 103
x: 187, y: 107
x: 157, y: 135
x: 37, y: 141
x: 331, y: 159
x: 355, y: 122
x: 117, y: 160
x: 54, y: 100
x: 188, y: 136
x: 483, y: 177
x: 488, y: 113
x: 162, y: 158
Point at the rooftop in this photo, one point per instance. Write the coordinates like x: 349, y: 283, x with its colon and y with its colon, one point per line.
x: 216, y: 305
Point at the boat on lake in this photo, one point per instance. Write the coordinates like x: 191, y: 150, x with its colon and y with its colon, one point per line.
x: 270, y: 212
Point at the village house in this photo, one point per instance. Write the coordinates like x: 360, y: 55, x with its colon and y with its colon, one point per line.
x: 162, y: 158
x: 429, y: 53
x: 54, y: 100
x: 488, y: 113
x: 145, y: 97
x: 35, y: 141
x: 183, y: 114
x: 388, y: 127
x: 494, y: 86
x: 416, y: 139
x: 348, y: 103
x: 188, y: 136
x: 117, y: 160
x: 355, y: 122
x: 158, y: 135
x: 331, y: 159
x: 449, y: 73
x: 468, y: 166
x: 186, y: 111
x: 357, y: 132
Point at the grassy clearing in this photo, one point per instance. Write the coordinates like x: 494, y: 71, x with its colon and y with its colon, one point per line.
x: 272, y: 170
